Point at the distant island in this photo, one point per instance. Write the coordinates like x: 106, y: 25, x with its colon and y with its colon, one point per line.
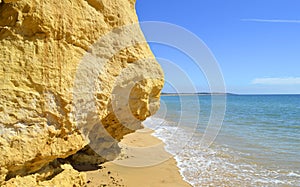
x: 198, y: 93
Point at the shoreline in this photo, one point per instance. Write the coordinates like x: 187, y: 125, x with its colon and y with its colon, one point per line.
x: 143, y: 161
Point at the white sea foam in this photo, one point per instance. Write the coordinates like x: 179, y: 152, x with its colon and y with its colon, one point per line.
x: 292, y: 174
x: 217, y: 165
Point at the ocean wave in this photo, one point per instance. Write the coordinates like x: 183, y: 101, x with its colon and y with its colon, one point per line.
x: 217, y: 165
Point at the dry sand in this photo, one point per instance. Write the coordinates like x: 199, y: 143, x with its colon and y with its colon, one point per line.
x: 143, y: 162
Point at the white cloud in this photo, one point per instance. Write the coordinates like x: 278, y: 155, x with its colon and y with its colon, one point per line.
x: 277, y: 81
x: 272, y: 20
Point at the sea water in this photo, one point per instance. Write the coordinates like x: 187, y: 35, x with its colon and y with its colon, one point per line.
x: 258, y: 143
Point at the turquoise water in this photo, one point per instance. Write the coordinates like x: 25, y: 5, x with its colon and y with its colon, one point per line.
x: 258, y: 144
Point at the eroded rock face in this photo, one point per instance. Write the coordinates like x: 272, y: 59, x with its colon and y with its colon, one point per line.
x: 43, y: 45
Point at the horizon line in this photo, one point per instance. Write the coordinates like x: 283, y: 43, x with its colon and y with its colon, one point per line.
x: 229, y: 93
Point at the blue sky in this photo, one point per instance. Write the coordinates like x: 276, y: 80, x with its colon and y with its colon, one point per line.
x: 256, y: 43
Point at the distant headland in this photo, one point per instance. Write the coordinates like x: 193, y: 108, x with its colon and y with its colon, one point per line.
x: 197, y: 93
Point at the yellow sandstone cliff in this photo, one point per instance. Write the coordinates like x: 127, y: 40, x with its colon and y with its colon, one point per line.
x: 55, y: 110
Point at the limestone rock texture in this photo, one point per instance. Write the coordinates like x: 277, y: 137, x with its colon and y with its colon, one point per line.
x: 43, y: 44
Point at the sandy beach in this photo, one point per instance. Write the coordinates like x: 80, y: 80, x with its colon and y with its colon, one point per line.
x: 143, y: 162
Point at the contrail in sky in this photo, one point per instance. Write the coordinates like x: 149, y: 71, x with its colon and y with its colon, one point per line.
x: 272, y: 20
